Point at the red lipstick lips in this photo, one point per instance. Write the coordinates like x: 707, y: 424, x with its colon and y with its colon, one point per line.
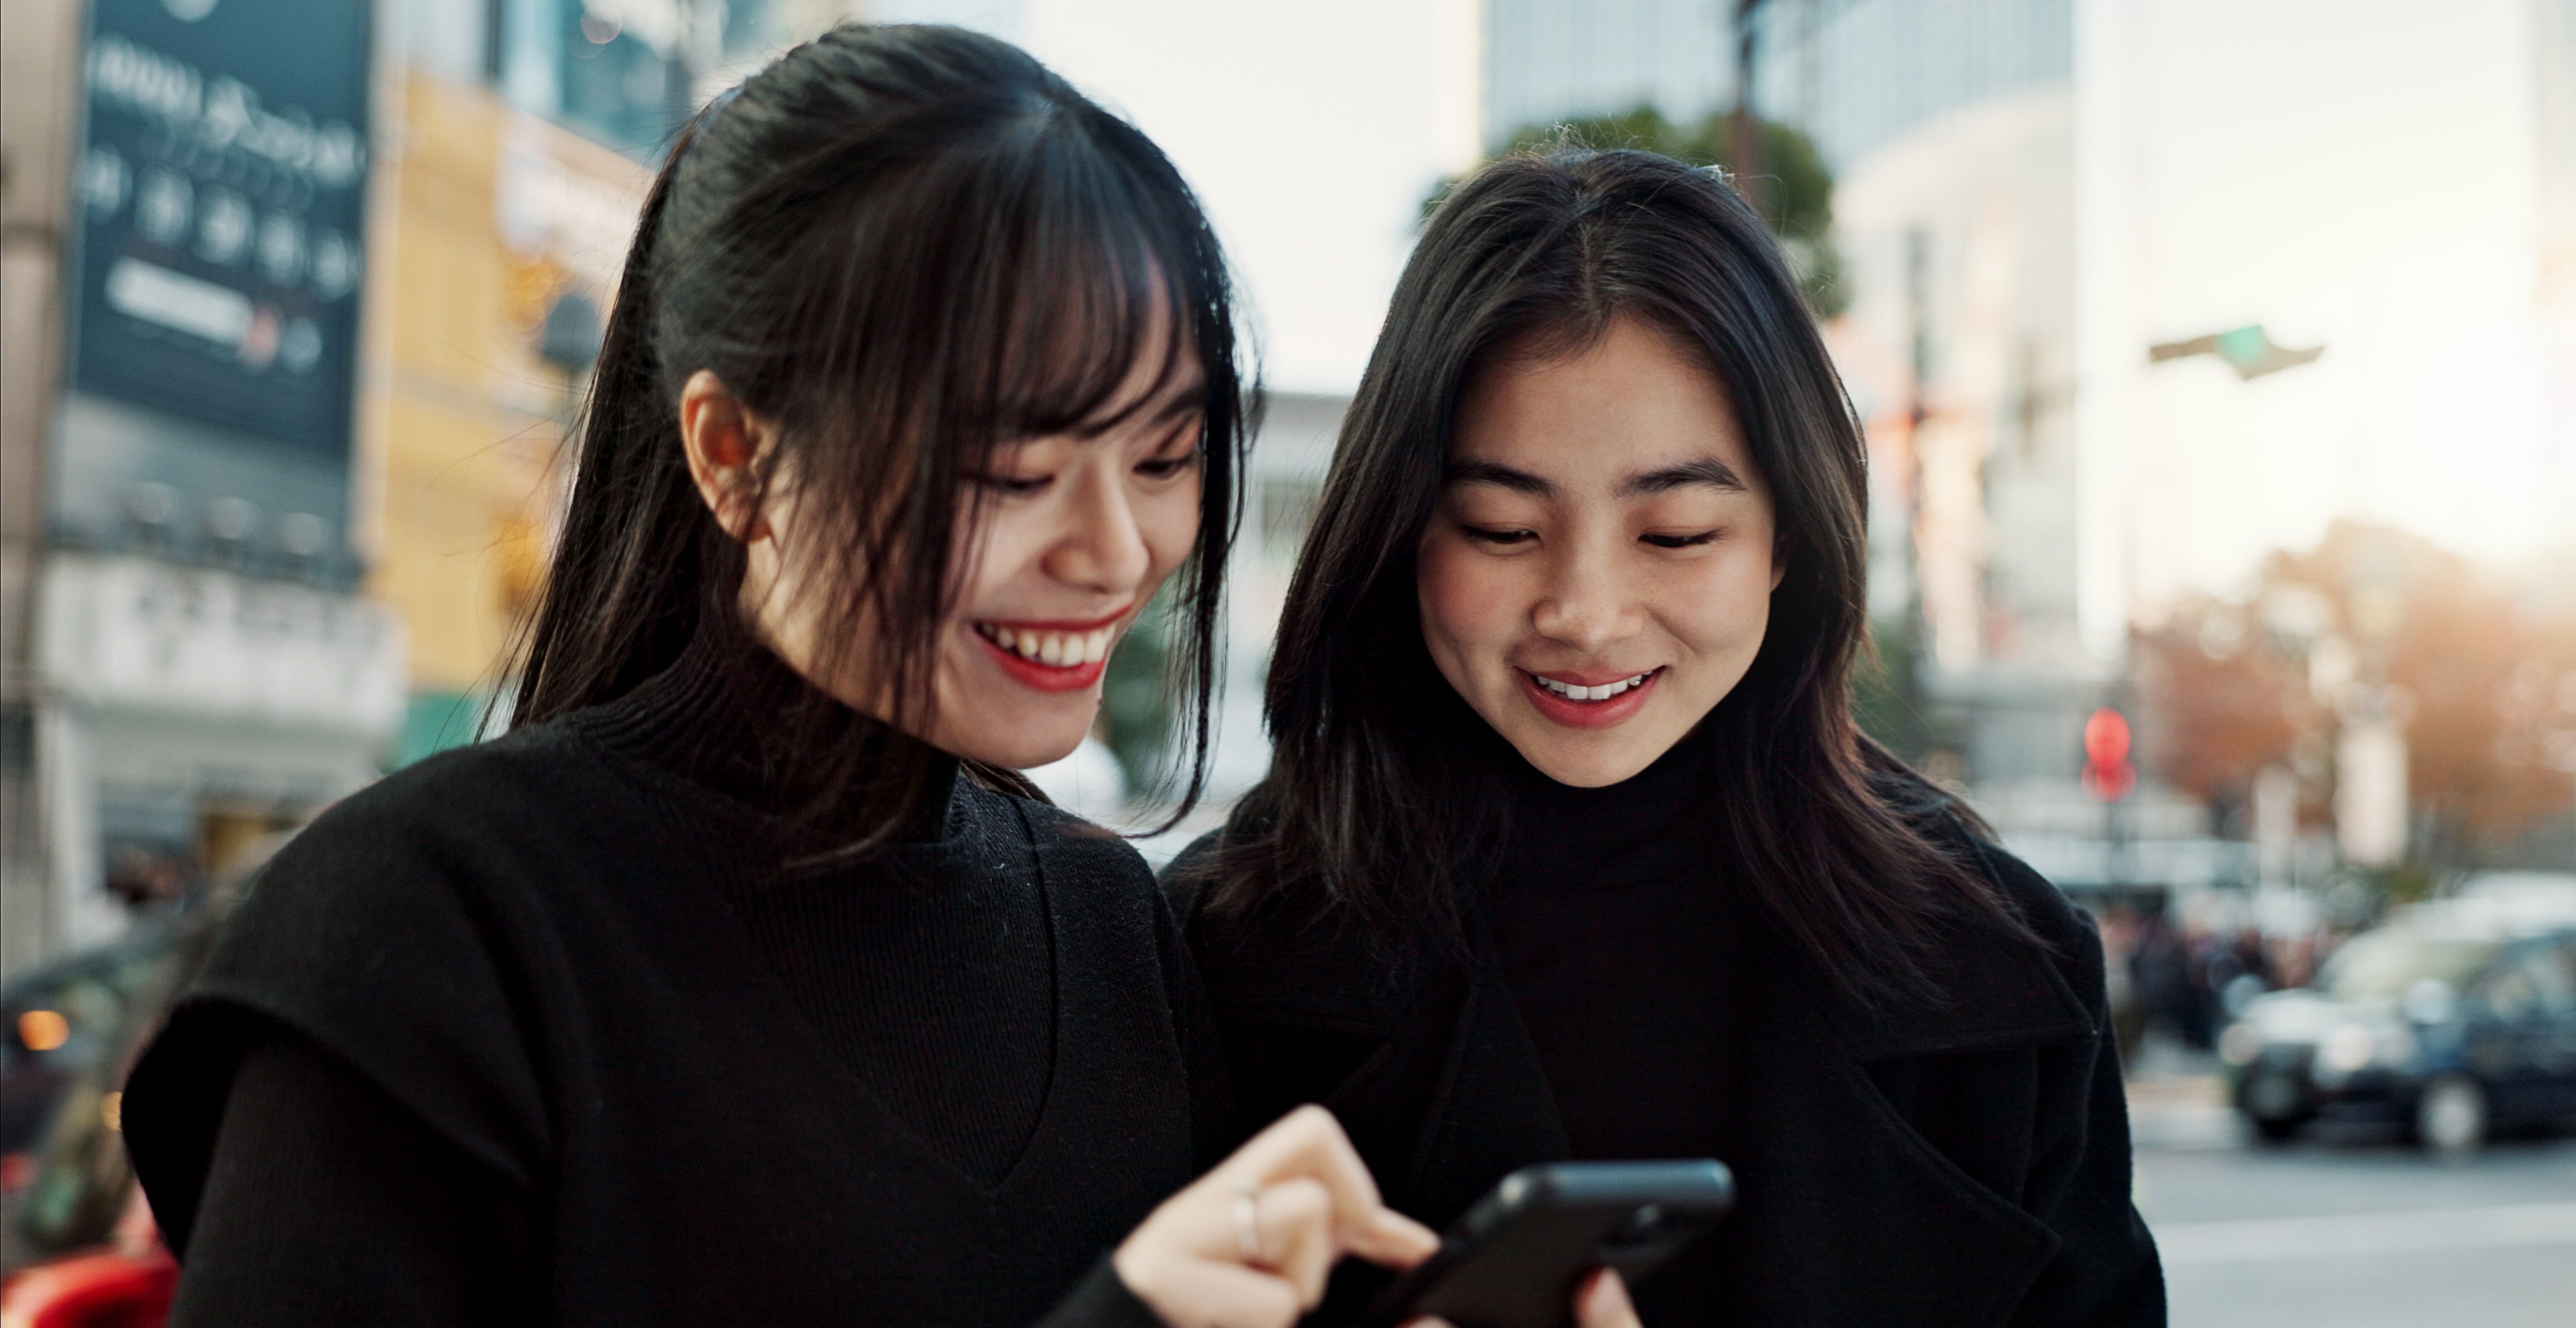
x: 1577, y: 713
x: 1052, y: 656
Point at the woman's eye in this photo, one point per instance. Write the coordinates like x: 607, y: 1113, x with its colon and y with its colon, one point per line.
x: 1680, y: 541
x: 1488, y: 535
x: 1163, y: 468
x: 1015, y: 486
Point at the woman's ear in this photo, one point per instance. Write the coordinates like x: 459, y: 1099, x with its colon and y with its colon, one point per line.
x: 726, y: 443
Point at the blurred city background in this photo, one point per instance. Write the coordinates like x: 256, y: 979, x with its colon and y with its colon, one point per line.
x: 2218, y: 361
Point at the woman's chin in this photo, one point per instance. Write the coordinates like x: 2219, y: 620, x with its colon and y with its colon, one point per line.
x: 1586, y: 762
x: 1022, y: 746
x: 1588, y: 759
x: 1591, y: 774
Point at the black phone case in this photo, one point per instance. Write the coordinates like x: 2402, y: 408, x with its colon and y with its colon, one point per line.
x: 1515, y: 1259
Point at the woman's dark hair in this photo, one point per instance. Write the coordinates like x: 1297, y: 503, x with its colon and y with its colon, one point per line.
x: 902, y: 247
x: 1378, y: 805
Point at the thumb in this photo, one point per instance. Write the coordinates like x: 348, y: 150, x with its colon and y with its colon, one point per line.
x: 1603, y: 1303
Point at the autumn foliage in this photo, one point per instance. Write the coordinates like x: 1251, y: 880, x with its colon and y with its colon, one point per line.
x: 2483, y: 679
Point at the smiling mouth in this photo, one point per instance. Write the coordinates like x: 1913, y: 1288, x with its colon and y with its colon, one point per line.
x: 1582, y: 694
x: 1052, y: 647
x: 1061, y: 656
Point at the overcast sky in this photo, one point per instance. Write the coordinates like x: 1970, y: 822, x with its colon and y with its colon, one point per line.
x: 2360, y: 173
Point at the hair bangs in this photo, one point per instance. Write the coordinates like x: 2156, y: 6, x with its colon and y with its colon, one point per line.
x: 1097, y: 284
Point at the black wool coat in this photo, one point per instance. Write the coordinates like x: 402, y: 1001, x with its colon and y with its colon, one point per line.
x: 1960, y: 1164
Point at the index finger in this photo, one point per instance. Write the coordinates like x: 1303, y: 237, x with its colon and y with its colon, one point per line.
x: 1309, y: 1143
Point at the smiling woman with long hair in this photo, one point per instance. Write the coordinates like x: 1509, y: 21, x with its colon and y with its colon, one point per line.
x: 742, y: 981
x: 1571, y: 848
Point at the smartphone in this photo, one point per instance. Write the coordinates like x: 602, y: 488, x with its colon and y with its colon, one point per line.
x: 1515, y: 1259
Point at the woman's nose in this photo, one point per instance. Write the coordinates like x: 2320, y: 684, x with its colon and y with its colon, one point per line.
x: 1585, y: 605
x: 1102, y: 547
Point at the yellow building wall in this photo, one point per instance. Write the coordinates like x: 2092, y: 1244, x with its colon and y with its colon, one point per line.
x: 472, y: 419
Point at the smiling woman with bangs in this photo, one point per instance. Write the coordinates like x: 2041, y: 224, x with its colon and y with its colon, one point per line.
x: 1570, y: 847
x: 743, y: 981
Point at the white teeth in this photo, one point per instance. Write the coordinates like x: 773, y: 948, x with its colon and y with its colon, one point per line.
x: 1056, y: 650
x: 1579, y: 692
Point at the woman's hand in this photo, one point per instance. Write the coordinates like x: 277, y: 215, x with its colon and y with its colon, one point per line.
x: 1250, y: 1243
x: 1601, y: 1301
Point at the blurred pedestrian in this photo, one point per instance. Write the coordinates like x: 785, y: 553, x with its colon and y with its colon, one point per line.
x: 1570, y: 847
x: 2121, y: 930
x: 2162, y: 972
x: 2239, y: 971
x: 742, y: 981
x: 2196, y: 1012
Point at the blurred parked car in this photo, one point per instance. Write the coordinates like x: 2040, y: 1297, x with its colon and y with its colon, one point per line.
x: 78, y: 1246
x: 2454, y: 1021
x: 61, y: 1019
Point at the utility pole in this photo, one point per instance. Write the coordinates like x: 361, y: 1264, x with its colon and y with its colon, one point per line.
x: 39, y: 49
x: 1747, y: 128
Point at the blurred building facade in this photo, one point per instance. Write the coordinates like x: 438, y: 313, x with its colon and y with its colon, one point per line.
x: 1955, y: 131
x: 2030, y: 195
x: 301, y: 297
x: 2554, y: 63
x: 191, y: 198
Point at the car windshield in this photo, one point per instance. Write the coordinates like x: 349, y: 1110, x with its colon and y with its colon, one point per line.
x: 2382, y: 965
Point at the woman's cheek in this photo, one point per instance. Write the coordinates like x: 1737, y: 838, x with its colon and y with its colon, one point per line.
x: 1436, y: 581
x: 1169, y: 524
x: 1001, y: 544
x: 1739, y: 606
x: 1466, y: 603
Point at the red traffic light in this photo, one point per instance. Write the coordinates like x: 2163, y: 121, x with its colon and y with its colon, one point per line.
x: 2106, y: 737
x: 2107, y: 772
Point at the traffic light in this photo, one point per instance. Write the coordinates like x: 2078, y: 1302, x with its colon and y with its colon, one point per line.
x: 2248, y: 350
x: 2108, y: 775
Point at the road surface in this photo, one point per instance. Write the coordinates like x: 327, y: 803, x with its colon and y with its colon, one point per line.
x: 2352, y: 1233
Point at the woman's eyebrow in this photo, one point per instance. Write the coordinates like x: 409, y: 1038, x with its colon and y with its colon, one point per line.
x: 1500, y: 476
x: 1705, y: 470
x: 1184, y: 401
x: 1175, y: 404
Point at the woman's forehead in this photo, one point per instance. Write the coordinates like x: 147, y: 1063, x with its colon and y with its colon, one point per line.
x: 1630, y: 412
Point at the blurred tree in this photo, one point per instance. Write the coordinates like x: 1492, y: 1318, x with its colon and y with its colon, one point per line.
x: 2479, y: 738
x: 2226, y: 707
x: 1888, y: 700
x: 1794, y: 192
x: 2484, y: 683
x: 1136, y: 690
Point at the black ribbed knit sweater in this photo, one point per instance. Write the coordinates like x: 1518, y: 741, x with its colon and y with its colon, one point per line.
x: 557, y: 1030
x: 928, y: 973
x: 1610, y: 918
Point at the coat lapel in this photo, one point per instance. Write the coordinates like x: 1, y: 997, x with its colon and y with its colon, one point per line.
x: 1847, y: 1213
x: 1492, y: 1111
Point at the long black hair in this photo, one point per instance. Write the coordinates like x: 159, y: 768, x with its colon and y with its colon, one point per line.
x: 903, y: 247
x: 1380, y: 804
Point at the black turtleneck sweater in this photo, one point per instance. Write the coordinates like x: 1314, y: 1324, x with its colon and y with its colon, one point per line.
x: 1611, y: 918
x: 981, y: 1049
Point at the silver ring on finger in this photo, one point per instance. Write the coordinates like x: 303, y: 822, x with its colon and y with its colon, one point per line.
x: 1247, y: 1221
